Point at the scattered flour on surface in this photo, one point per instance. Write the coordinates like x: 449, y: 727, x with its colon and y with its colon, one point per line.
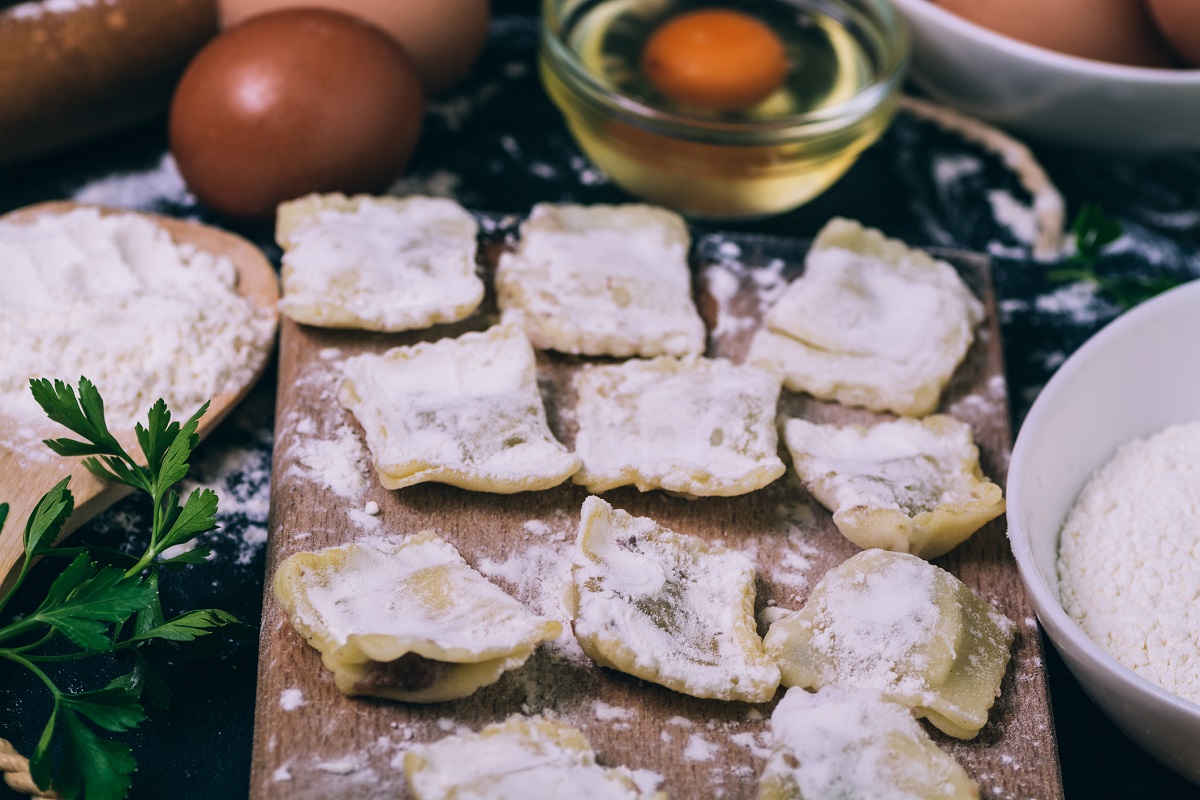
x: 144, y: 189
x: 950, y: 169
x: 438, y: 183
x: 700, y: 749
x: 538, y: 576
x: 757, y: 742
x: 1080, y: 302
x: 1018, y: 217
x: 608, y: 713
x: 337, y: 461
x: 241, y: 477
x: 345, y: 765
x: 291, y: 699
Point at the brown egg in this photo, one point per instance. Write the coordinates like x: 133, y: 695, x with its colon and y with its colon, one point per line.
x: 292, y: 102
x: 1179, y: 22
x: 443, y: 37
x: 1118, y: 31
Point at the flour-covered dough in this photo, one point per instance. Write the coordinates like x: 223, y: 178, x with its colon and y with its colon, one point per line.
x: 463, y: 411
x: 847, y: 742
x: 668, y: 608
x: 913, y: 486
x: 407, y: 620
x: 377, y: 263
x: 870, y: 323
x: 896, y: 623
x: 602, y: 280
x: 697, y: 426
x: 522, y: 758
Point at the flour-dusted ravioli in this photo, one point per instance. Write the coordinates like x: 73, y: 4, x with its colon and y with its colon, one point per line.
x: 870, y: 323
x: 407, y: 620
x: 463, y: 411
x: 522, y: 758
x: 602, y: 280
x: 667, y: 608
x: 896, y: 623
x: 913, y: 486
x: 377, y: 263
x: 847, y: 742
x: 697, y: 426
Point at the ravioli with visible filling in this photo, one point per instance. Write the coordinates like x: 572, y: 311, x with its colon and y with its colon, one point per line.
x: 522, y: 758
x: 408, y: 621
x: 847, y: 742
x: 377, y: 263
x: 602, y: 280
x: 463, y: 411
x: 700, y: 427
x: 870, y: 322
x: 667, y: 608
x: 913, y: 486
x: 896, y: 623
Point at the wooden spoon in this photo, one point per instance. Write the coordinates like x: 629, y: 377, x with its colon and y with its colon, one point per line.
x: 23, y: 483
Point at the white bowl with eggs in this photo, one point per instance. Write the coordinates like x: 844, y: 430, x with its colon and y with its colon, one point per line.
x: 1135, y: 377
x: 1048, y: 96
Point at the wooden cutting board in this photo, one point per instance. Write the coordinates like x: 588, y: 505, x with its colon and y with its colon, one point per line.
x: 23, y: 480
x: 313, y: 742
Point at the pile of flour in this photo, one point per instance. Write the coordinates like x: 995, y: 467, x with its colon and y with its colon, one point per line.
x: 1129, y: 559
x: 113, y: 298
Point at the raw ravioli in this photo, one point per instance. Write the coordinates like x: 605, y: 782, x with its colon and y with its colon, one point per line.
x: 463, y: 411
x: 870, y: 323
x: 896, y: 623
x: 409, y: 620
x: 667, y: 608
x: 913, y: 486
x: 602, y: 280
x: 846, y: 742
x: 522, y: 758
x: 377, y: 263
x: 700, y: 427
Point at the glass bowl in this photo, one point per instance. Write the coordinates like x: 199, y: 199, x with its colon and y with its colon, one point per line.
x: 723, y: 165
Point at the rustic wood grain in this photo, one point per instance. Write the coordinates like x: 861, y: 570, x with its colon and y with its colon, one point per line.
x: 25, y: 478
x: 73, y: 71
x: 332, y: 745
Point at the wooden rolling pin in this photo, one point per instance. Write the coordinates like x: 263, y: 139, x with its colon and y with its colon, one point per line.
x: 74, y: 69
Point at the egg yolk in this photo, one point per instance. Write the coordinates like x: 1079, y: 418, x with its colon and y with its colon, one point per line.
x: 715, y: 59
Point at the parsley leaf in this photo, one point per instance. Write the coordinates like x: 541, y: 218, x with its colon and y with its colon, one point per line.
x: 47, y: 519
x: 84, y: 599
x: 97, y: 767
x: 190, y: 626
x: 1093, y: 233
x: 104, y: 600
x: 112, y: 708
x: 199, y: 515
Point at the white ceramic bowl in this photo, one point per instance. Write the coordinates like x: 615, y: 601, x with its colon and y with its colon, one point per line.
x: 1136, y: 376
x: 1049, y: 96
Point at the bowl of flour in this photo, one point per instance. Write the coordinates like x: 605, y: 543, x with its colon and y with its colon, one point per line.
x: 1104, y: 521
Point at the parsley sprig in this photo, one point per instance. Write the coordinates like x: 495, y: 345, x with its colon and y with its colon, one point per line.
x: 105, y: 601
x: 1093, y: 233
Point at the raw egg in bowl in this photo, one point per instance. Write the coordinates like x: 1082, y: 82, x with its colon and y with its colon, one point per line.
x: 726, y: 109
